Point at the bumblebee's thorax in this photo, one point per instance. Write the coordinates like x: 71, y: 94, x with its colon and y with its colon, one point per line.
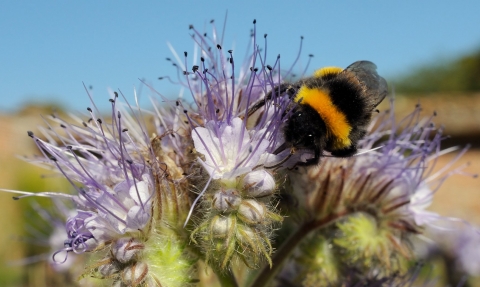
x: 320, y: 101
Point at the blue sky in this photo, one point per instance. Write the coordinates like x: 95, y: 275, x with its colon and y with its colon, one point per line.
x: 48, y: 48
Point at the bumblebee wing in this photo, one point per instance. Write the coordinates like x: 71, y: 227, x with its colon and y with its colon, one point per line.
x: 366, y: 72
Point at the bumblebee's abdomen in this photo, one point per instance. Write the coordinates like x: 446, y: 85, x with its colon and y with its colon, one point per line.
x: 337, y: 124
x: 348, y: 96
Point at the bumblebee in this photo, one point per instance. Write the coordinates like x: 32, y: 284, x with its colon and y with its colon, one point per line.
x: 329, y: 111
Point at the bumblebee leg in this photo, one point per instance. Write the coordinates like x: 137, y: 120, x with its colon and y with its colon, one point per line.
x: 281, y: 148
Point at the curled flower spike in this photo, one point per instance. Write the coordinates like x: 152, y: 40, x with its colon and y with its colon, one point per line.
x: 235, y: 151
x: 106, y: 165
x: 129, y: 188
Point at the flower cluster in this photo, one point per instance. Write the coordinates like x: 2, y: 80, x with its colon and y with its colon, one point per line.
x: 158, y: 193
x: 119, y: 182
x: 367, y: 207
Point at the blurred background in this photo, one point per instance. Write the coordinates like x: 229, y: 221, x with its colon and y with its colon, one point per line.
x: 52, y: 53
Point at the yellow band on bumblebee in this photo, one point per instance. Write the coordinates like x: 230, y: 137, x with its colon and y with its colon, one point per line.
x: 334, y: 119
x: 325, y: 71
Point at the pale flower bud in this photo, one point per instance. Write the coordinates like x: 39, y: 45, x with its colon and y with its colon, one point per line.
x: 226, y: 200
x: 135, y: 274
x: 221, y: 225
x: 109, y: 268
x: 259, y: 183
x: 124, y: 249
x: 252, y: 212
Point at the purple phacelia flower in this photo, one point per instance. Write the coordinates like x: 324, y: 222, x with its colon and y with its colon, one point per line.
x: 106, y: 163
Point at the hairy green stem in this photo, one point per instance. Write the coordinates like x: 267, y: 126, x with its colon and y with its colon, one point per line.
x: 267, y: 274
x: 227, y: 278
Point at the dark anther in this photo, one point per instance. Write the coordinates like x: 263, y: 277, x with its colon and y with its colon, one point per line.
x: 211, y: 21
x: 160, y: 78
x: 185, y: 53
x: 278, y: 57
x: 174, y: 64
x: 190, y: 27
x: 230, y: 51
x: 69, y: 147
x: 177, y: 103
x: 205, y: 71
x: 219, y: 47
x: 195, y: 68
x: 256, y: 69
x: 168, y: 59
x: 269, y: 67
x: 310, y: 55
x: 251, y: 68
x: 99, y: 121
x: 434, y: 113
x: 84, y: 124
x: 63, y: 126
x: 116, y: 94
x: 52, y: 158
x: 124, y: 130
x: 30, y: 134
x: 204, y: 34
x: 111, y: 100
x: 202, y: 59
x: 264, y: 35
x: 254, y: 21
x: 119, y: 115
x: 129, y: 161
x: 217, y: 111
x: 185, y: 73
x: 231, y: 60
x: 185, y: 111
x: 301, y: 37
x: 90, y: 119
x: 89, y: 109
